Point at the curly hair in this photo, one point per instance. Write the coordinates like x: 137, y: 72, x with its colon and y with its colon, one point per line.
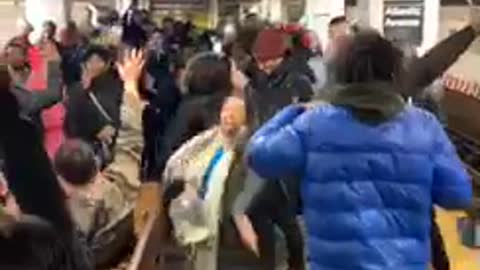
x: 369, y: 57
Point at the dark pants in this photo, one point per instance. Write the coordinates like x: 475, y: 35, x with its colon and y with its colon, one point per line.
x: 276, y: 201
x: 440, y: 259
x: 279, y: 202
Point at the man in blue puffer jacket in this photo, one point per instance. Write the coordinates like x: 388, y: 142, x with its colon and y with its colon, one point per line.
x: 371, y: 166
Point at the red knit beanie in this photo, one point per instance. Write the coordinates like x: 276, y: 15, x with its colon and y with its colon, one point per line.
x: 270, y: 44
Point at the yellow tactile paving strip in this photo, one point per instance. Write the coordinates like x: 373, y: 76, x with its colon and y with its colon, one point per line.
x: 461, y: 258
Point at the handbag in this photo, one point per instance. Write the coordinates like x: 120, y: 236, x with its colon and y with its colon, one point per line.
x: 102, y: 148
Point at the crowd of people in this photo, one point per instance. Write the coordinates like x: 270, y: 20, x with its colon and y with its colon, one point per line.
x: 256, y: 134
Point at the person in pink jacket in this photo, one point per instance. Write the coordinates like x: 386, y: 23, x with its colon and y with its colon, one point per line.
x: 53, y: 117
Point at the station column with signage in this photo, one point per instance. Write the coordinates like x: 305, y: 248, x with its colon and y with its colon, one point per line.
x: 403, y: 21
x: 414, y: 22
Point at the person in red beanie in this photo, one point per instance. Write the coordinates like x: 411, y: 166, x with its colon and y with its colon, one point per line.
x: 270, y: 49
x: 277, y: 83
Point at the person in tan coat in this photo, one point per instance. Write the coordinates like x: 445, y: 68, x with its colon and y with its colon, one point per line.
x: 93, y: 200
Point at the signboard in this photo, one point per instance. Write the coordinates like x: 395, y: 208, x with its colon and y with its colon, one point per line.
x: 169, y: 4
x: 403, y: 21
x: 180, y: 2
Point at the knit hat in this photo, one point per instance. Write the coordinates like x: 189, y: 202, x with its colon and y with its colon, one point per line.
x: 270, y: 44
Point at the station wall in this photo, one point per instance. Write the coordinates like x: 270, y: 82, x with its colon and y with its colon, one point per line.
x: 10, y: 12
x: 452, y: 17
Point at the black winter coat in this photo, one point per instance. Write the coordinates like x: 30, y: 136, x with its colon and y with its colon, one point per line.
x: 83, y: 119
x: 163, y: 99
x: 269, y: 94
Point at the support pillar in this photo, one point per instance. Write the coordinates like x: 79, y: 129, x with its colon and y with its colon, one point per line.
x: 371, y: 13
x: 122, y: 5
x: 431, y: 25
x: 272, y: 10
x: 276, y: 10
x: 318, y: 14
x: 213, y: 10
x: 38, y: 11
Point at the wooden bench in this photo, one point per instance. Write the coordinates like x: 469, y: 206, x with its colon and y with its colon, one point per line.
x: 154, y: 249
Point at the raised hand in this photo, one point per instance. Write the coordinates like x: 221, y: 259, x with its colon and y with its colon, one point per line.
x: 239, y: 81
x: 131, y: 67
x: 130, y: 70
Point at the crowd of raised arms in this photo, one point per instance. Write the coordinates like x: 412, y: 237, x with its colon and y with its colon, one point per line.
x: 256, y: 134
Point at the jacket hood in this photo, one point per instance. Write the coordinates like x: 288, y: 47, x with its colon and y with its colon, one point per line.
x: 372, y: 103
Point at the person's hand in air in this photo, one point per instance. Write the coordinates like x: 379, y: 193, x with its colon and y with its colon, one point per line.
x: 239, y: 80
x: 131, y: 69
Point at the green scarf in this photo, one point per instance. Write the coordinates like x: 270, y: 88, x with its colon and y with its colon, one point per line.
x: 371, y: 103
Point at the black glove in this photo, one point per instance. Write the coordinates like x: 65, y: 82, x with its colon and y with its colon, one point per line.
x: 172, y: 191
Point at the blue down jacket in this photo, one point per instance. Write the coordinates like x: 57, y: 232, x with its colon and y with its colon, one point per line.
x: 367, y: 190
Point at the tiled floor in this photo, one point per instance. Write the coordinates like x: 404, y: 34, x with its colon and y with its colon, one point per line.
x: 461, y: 257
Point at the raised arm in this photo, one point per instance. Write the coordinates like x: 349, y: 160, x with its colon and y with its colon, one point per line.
x: 130, y: 70
x: 52, y: 94
x: 423, y: 71
x: 29, y: 172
